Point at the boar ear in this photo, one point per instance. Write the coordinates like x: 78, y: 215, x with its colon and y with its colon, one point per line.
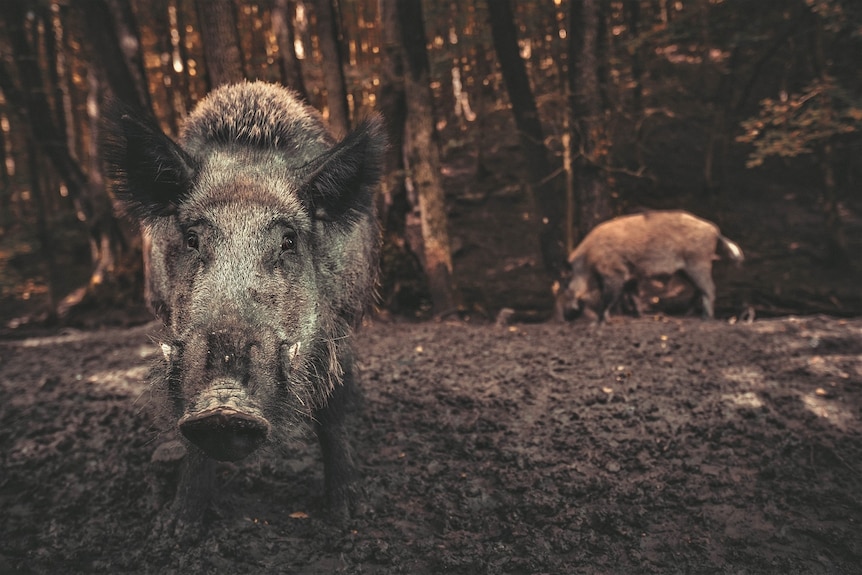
x: 151, y: 173
x: 339, y: 185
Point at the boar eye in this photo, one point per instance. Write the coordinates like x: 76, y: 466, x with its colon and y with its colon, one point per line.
x: 192, y: 241
x: 288, y: 242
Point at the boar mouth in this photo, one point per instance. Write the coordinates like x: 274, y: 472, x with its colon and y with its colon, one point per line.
x: 573, y: 310
x: 224, y: 433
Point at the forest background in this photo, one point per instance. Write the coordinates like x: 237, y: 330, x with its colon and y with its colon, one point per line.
x: 515, y: 127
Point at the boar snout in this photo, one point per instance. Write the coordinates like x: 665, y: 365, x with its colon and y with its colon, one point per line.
x: 224, y: 432
x: 569, y: 306
x: 572, y: 310
x: 225, y: 376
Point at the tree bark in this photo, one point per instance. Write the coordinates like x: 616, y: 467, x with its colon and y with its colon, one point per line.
x: 542, y: 178
x: 423, y: 159
x: 7, y: 217
x: 221, y: 42
x: 124, y: 69
x: 282, y: 25
x: 633, y: 19
x: 44, y: 231
x: 392, y: 103
x: 403, y: 282
x: 588, y: 130
x: 837, y: 248
x: 328, y: 32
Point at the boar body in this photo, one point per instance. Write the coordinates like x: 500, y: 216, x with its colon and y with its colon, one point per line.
x: 617, y: 255
x: 262, y: 255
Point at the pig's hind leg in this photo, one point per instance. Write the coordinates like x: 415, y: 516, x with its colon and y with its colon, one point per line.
x: 701, y: 277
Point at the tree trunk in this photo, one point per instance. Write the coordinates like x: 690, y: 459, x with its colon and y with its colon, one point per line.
x: 221, y: 42
x: 44, y: 232
x: 588, y: 130
x: 633, y: 18
x: 403, y: 282
x: 423, y: 159
x: 543, y: 180
x: 328, y: 32
x: 282, y: 25
x: 126, y: 68
x: 392, y: 103
x: 7, y: 217
x: 107, y: 31
x: 837, y: 249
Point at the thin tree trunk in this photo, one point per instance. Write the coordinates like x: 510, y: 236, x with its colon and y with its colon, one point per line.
x: 542, y: 179
x: 282, y: 25
x: 154, y: 13
x: 126, y: 37
x: 569, y: 169
x: 836, y: 238
x: 105, y: 31
x: 424, y: 159
x: 403, y: 278
x: 633, y: 18
x: 328, y: 32
x: 393, y: 106
x: 837, y: 247
x: 7, y: 218
x: 221, y: 42
x: 588, y: 136
x: 43, y: 229
x: 106, y: 239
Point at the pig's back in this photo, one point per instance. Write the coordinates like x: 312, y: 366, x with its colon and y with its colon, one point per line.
x: 653, y: 243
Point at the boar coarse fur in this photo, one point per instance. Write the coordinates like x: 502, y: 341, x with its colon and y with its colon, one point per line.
x: 617, y: 254
x: 262, y: 259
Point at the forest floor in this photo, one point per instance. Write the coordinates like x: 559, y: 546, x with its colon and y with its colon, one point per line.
x: 652, y: 445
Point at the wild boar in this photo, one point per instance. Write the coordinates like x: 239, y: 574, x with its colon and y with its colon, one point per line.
x: 616, y: 255
x: 263, y: 254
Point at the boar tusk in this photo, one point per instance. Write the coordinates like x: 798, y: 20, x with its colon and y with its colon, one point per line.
x: 293, y: 351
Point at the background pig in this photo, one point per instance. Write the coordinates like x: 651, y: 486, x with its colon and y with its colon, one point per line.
x: 263, y: 256
x: 617, y: 254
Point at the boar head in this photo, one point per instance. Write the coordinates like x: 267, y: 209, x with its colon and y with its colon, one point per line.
x: 264, y: 246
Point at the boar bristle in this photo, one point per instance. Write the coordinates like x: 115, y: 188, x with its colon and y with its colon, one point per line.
x: 258, y: 115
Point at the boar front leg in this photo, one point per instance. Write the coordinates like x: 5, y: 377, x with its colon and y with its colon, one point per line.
x: 612, y: 291
x: 193, y: 500
x: 340, y: 473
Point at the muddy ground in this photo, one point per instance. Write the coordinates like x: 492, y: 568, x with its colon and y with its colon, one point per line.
x: 650, y: 445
